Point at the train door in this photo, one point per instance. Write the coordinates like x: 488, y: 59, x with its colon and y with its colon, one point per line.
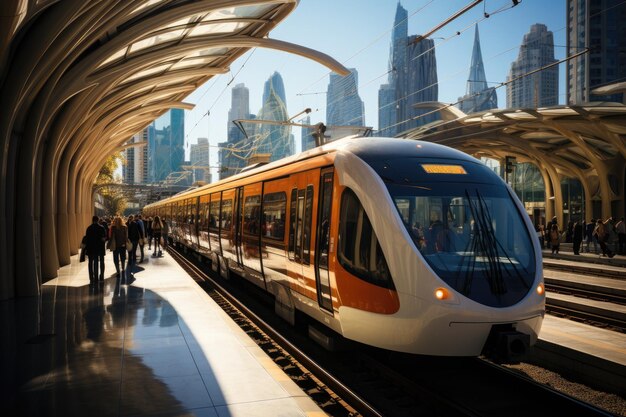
x: 226, y: 231
x: 251, y: 232
x: 196, y: 222
x: 322, y: 273
x: 301, y: 224
x: 237, y: 220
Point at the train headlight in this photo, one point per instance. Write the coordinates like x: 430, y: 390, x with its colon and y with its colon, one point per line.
x: 442, y: 294
x: 540, y: 289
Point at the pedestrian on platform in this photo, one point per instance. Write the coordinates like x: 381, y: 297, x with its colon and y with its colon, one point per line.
x: 589, y: 235
x: 148, y: 223
x: 95, y: 238
x: 119, y: 237
x: 555, y: 238
x: 602, y: 236
x: 134, y: 235
x: 142, y: 242
x: 103, y: 250
x: 541, y: 234
x: 569, y: 232
x: 577, y: 236
x: 165, y: 232
x: 157, y: 228
x: 621, y: 236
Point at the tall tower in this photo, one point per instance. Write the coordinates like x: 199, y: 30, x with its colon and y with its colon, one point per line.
x: 412, y: 79
x: 166, y: 146
x: 306, y: 135
x: 597, y: 25
x: 478, y: 96
x: 199, y: 157
x: 269, y: 139
x: 542, y: 88
x: 344, y: 107
x: 231, y: 158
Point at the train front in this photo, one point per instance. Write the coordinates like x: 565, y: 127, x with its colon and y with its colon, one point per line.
x: 461, y: 251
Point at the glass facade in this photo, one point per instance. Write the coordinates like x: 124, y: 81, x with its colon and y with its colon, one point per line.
x: 166, y: 145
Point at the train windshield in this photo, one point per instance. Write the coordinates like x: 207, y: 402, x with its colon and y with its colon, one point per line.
x: 472, y: 235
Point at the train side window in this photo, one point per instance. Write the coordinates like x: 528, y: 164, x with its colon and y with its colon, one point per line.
x: 359, y: 250
x: 251, y: 215
x: 274, y: 213
x: 292, y: 223
x: 226, y: 214
x: 308, y: 215
x: 214, y: 214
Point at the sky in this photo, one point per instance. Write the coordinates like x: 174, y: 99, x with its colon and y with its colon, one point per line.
x: 357, y: 33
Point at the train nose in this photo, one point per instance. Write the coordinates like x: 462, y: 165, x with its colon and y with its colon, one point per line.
x: 506, y: 345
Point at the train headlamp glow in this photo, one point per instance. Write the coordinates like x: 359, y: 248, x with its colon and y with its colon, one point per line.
x: 540, y: 289
x: 441, y: 294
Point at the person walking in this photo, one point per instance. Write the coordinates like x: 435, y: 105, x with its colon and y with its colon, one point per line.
x: 577, y: 236
x: 165, y: 232
x: 119, y: 237
x: 157, y: 228
x: 103, y: 250
x: 602, y: 235
x: 95, y: 237
x: 555, y: 238
x: 134, y: 235
x: 589, y: 234
x: 621, y: 236
x: 142, y: 227
x: 148, y: 223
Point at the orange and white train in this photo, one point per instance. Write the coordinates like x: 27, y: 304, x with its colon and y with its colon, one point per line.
x: 399, y: 244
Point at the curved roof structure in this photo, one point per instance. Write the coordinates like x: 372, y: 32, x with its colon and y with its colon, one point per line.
x: 77, y: 79
x: 586, y: 142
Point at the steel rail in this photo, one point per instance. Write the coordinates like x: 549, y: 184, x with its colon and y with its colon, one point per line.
x: 331, y: 382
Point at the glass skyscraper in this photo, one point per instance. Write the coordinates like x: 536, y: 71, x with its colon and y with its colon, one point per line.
x: 272, y: 139
x: 599, y: 26
x: 478, y: 96
x: 233, y: 152
x: 412, y: 79
x: 540, y: 89
x: 344, y: 107
x: 166, y: 151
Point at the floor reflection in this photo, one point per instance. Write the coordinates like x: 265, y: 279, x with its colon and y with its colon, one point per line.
x: 104, y: 350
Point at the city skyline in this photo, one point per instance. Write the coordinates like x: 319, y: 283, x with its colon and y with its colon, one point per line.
x: 362, y: 41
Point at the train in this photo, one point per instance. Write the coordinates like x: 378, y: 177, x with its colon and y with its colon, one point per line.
x: 404, y: 245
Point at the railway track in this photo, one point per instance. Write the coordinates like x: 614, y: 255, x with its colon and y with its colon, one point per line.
x: 372, y: 382
x: 578, y: 293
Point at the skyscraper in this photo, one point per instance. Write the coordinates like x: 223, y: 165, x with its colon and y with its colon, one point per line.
x: 412, y: 79
x: 232, y: 156
x: 199, y: 158
x: 306, y: 135
x: 478, y: 96
x: 271, y: 139
x: 135, y: 170
x: 599, y: 26
x: 344, y: 107
x: 540, y: 89
x: 166, y: 145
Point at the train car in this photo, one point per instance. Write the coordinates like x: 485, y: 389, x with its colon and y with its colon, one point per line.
x: 404, y: 245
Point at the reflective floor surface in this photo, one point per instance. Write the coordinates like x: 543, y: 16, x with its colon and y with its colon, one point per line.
x: 144, y: 344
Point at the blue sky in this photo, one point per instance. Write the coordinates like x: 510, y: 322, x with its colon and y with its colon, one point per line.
x: 357, y: 33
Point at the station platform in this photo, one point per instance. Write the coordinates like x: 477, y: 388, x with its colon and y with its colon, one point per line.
x: 578, y: 351
x: 156, y: 345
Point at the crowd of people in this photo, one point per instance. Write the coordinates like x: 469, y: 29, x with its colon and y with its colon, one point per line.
x: 122, y: 237
x: 607, y: 235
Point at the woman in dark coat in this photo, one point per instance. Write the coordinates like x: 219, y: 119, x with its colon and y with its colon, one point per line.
x: 95, y: 235
x: 119, y: 235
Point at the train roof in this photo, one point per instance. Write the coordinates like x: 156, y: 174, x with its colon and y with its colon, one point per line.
x: 366, y: 148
